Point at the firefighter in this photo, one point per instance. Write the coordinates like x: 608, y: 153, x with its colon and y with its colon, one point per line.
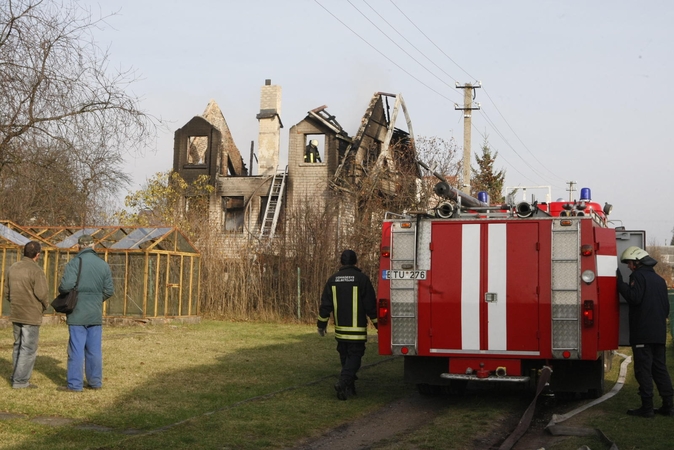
x: 350, y: 297
x: 311, y: 154
x: 646, y: 295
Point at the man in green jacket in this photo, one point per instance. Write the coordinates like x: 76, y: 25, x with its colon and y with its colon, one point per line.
x: 85, y: 322
x: 26, y: 290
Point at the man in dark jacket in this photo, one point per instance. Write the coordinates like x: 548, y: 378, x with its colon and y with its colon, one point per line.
x: 311, y: 154
x: 85, y: 322
x: 351, y: 299
x: 646, y: 295
x: 26, y: 290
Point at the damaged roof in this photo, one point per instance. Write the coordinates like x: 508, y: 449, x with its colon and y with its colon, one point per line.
x: 213, y: 114
x: 379, y: 149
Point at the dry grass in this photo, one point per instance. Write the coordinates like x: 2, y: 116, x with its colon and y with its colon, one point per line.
x: 158, y: 376
x: 248, y: 385
x: 284, y: 281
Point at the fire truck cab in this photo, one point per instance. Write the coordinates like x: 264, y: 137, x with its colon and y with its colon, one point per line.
x: 497, y: 293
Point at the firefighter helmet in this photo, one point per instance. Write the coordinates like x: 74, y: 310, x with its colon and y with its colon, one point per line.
x: 314, y: 142
x: 633, y: 254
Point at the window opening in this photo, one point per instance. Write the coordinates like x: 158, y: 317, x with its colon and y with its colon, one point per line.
x: 314, y: 148
x: 196, y: 150
x: 232, y: 214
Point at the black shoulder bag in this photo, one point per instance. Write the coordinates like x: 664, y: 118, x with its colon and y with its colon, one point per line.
x: 65, y: 303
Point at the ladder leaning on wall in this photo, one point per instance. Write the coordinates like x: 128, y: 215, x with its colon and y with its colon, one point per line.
x: 273, y: 208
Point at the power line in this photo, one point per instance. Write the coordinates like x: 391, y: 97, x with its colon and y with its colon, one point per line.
x: 518, y: 138
x: 396, y: 44
x: 504, y: 159
x: 487, y: 118
x: 491, y: 122
x: 431, y: 41
x: 408, y: 41
x: 382, y: 54
x: 490, y: 99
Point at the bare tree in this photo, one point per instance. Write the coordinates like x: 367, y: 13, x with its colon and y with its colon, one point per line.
x: 443, y: 157
x: 663, y: 268
x: 64, y: 113
x: 442, y: 154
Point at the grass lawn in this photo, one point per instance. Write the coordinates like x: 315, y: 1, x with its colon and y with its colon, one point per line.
x: 627, y: 432
x: 196, y: 386
x: 248, y: 386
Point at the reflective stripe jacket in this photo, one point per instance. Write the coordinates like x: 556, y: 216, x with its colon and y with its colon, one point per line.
x: 311, y: 154
x: 350, y: 297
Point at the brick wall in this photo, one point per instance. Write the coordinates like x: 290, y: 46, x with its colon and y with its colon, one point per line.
x: 307, y: 180
x: 269, y: 139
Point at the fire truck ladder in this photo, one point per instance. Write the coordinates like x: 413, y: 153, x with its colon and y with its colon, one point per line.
x: 565, y: 289
x: 271, y: 212
x: 403, y: 304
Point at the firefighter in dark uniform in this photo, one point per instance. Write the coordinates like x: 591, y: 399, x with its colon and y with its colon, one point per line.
x: 351, y: 299
x: 311, y: 154
x: 646, y: 295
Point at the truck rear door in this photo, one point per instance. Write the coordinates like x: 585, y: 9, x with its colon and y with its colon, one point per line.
x: 625, y: 239
x: 484, y: 281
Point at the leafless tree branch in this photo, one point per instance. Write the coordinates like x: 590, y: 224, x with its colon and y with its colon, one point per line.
x: 61, y: 102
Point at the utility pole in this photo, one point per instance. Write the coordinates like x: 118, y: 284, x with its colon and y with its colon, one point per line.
x: 468, y: 96
x: 571, y: 189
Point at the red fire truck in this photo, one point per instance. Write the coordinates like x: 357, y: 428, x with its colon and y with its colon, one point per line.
x: 482, y: 292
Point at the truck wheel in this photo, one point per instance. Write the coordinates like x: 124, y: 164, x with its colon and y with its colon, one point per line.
x: 598, y: 391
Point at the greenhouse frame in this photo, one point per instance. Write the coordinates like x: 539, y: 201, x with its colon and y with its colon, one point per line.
x: 155, y: 270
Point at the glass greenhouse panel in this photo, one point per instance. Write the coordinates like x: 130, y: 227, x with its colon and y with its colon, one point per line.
x: 137, y: 284
x: 115, y: 304
x: 155, y: 269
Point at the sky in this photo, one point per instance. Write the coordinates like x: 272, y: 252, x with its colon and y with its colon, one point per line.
x: 571, y: 90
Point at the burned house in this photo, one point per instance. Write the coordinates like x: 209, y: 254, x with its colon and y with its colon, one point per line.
x: 325, y: 165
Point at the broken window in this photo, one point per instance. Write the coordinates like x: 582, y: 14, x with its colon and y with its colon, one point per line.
x: 232, y: 214
x: 196, y: 150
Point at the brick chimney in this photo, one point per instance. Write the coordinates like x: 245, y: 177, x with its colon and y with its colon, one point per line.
x: 269, y: 139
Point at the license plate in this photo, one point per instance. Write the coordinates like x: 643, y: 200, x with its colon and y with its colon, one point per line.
x: 404, y: 274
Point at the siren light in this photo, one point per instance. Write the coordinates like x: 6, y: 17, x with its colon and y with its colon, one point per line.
x: 585, y: 194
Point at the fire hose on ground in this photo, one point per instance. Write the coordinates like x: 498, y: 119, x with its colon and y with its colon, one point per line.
x: 553, y: 426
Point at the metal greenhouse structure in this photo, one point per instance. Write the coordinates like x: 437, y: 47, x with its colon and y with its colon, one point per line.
x: 155, y: 269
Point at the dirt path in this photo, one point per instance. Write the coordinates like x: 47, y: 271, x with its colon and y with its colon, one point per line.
x: 398, y: 417
x: 415, y: 411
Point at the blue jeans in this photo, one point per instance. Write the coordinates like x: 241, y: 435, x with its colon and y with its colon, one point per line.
x: 24, y: 354
x: 85, y: 354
